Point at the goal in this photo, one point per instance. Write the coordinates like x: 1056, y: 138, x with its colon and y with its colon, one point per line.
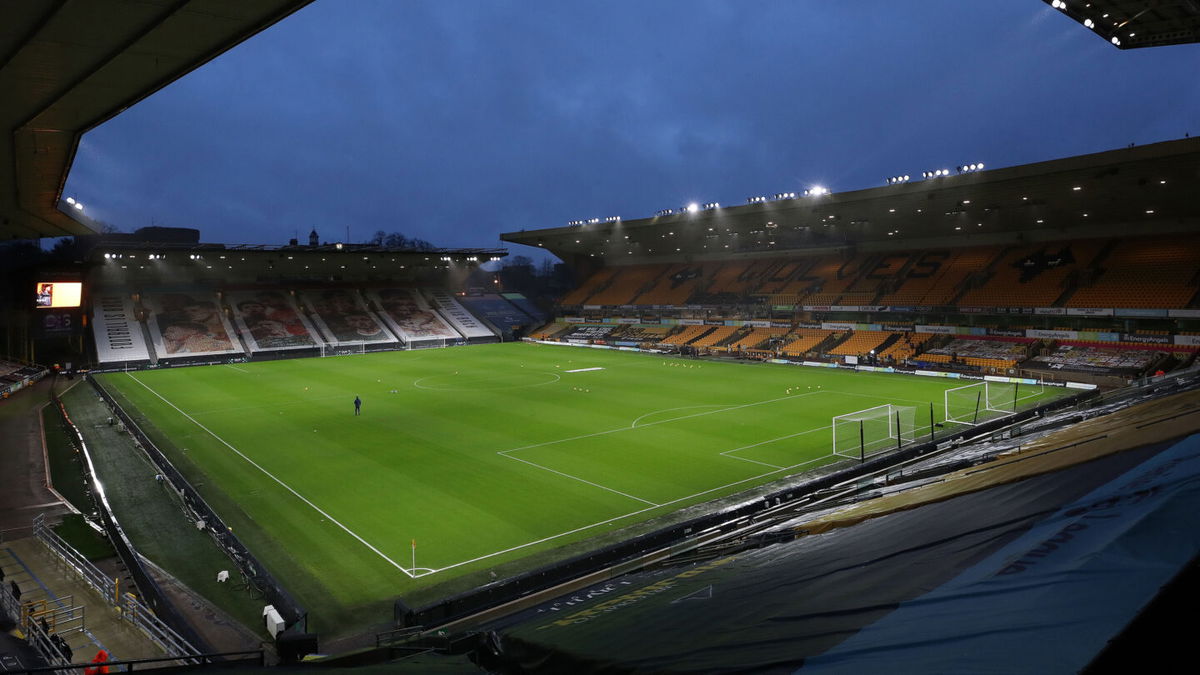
x: 858, y: 434
x: 343, y: 348
x: 981, y: 401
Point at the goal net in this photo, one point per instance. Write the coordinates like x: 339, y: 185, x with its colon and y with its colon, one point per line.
x: 343, y: 348
x: 982, y: 401
x: 861, y: 433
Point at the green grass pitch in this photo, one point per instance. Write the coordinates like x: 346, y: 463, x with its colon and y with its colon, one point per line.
x: 486, y: 457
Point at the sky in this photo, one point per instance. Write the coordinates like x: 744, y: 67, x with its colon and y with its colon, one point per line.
x: 456, y: 120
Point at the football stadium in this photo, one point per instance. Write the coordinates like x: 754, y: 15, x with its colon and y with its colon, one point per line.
x: 950, y: 423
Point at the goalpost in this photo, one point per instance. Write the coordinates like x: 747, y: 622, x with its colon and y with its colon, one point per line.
x: 343, y: 348
x: 858, y: 434
x: 981, y: 401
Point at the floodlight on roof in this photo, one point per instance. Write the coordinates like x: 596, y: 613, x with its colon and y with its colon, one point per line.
x: 71, y: 200
x: 691, y: 208
x: 711, y: 205
x: 756, y: 199
x: 1088, y: 23
x: 78, y: 206
x: 665, y: 212
x: 613, y: 219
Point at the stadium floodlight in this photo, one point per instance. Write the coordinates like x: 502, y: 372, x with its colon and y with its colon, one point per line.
x: 785, y: 195
x: 593, y: 221
x: 1116, y: 41
x: 711, y: 205
x: 613, y: 219
x: 690, y: 208
x: 816, y: 191
x: 757, y: 199
x: 665, y: 212
x: 71, y: 201
x: 1088, y: 23
x: 78, y: 206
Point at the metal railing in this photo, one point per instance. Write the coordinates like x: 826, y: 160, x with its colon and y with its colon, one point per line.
x: 127, y: 605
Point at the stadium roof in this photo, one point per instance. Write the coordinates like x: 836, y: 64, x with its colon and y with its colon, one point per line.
x: 68, y: 66
x: 1130, y: 24
x: 1149, y: 187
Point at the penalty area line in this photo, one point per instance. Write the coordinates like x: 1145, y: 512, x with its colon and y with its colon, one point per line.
x: 621, y: 517
x: 270, y: 475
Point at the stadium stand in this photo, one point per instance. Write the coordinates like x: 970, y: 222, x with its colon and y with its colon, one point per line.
x: 686, y: 335
x: 903, y: 348
x: 640, y: 334
x: 936, y: 277
x: 549, y: 331
x: 119, y: 336
x: 580, y: 294
x: 410, y: 318
x: 1098, y: 358
x: 586, y: 333
x: 525, y: 305
x: 1149, y: 272
x: 498, y: 310
x: 445, y: 304
x: 756, y: 337
x: 188, y: 323
x: 997, y: 352
x: 342, y: 317
x: 269, y: 320
x: 806, y: 340
x: 862, y: 342
x: 1033, y: 276
x: 713, y: 339
x: 626, y: 284
x: 676, y: 285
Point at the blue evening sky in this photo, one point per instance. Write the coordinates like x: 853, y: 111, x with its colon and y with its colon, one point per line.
x: 456, y: 120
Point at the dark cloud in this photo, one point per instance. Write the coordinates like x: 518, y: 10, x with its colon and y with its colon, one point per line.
x: 456, y: 120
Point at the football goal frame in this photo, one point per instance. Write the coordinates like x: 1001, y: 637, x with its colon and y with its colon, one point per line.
x: 343, y: 348
x: 978, y: 402
x: 873, y: 430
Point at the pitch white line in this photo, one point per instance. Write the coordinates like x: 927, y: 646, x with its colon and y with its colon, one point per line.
x: 582, y: 370
x: 651, y: 424
x: 240, y: 370
x: 620, y: 517
x: 581, y: 480
x: 686, y: 407
x: 285, y: 486
x: 728, y: 453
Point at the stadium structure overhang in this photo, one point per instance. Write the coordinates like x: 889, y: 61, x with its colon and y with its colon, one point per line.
x: 1149, y: 188
x: 122, y: 250
x: 67, y: 66
x: 1132, y: 24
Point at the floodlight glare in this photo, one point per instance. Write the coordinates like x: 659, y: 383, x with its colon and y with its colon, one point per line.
x: 71, y: 200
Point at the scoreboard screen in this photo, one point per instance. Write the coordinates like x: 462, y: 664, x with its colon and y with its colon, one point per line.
x: 59, y: 294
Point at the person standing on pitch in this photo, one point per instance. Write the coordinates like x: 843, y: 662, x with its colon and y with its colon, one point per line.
x: 357, y: 405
